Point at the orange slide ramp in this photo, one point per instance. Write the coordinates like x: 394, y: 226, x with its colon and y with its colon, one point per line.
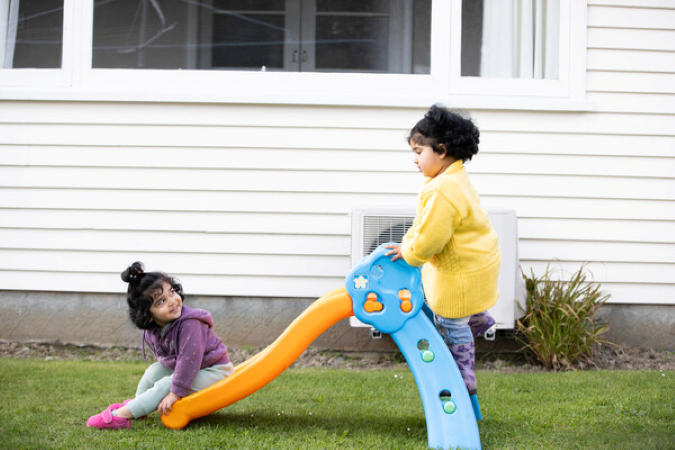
x: 264, y: 367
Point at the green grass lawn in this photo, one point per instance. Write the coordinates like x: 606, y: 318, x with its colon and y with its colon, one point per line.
x: 45, y: 404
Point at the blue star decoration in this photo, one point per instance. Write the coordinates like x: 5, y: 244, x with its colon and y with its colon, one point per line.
x: 360, y: 281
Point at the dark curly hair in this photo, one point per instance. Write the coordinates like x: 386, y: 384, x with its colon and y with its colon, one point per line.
x: 447, y: 132
x: 142, y: 292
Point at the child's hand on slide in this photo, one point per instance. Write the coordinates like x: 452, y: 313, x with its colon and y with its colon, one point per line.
x: 395, y: 251
x: 164, y: 407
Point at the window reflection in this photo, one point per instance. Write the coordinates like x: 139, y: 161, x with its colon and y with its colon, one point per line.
x: 32, y: 34
x: 511, y: 38
x: 384, y: 36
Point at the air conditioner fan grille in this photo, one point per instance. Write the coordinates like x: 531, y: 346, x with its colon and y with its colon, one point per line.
x: 381, y: 229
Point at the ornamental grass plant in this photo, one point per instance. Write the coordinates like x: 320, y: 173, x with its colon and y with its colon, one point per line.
x: 559, y: 328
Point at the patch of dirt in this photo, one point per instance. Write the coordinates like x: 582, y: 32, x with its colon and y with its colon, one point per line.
x: 611, y: 357
x: 608, y: 358
x: 310, y: 358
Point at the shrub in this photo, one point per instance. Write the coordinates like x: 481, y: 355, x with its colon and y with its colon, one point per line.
x: 559, y: 327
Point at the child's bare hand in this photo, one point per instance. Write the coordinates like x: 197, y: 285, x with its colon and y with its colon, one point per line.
x: 167, y: 402
x: 395, y: 251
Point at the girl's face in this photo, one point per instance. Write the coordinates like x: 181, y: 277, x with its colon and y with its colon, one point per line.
x: 428, y: 161
x: 167, y: 306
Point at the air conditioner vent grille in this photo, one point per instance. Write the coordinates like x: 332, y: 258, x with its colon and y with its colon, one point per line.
x: 381, y: 229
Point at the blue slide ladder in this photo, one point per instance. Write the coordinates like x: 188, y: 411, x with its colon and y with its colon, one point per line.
x: 388, y: 296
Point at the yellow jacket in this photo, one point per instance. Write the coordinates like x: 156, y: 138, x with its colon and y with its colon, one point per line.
x: 453, y: 239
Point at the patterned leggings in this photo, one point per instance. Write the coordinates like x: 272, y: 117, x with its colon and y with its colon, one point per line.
x: 156, y: 384
x: 458, y: 335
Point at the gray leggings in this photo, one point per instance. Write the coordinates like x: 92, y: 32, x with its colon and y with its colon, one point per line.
x: 156, y: 384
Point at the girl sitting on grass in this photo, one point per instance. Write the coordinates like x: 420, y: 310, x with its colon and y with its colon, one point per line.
x: 190, y: 356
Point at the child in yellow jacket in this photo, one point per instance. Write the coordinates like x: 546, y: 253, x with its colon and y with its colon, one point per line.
x: 451, y: 236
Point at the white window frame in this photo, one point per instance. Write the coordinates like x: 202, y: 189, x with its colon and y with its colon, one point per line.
x: 570, y: 87
x: 78, y: 81
x: 23, y: 80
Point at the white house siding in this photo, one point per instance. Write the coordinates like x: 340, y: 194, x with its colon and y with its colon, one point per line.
x: 598, y: 186
x: 254, y: 200
x: 236, y: 200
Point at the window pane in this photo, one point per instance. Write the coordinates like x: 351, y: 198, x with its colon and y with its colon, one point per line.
x: 388, y: 36
x: 141, y: 34
x: 421, y: 39
x: 373, y: 36
x: 352, y: 43
x: 32, y: 34
x: 352, y: 6
x: 250, y: 5
x: 511, y: 39
x: 248, y: 41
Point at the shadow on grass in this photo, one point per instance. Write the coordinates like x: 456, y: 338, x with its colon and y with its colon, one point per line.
x: 285, y: 423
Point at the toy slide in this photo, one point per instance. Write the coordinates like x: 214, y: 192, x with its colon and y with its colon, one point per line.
x: 264, y: 367
x: 387, y: 295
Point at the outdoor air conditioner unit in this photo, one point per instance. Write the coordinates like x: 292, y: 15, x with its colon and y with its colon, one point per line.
x: 374, y: 226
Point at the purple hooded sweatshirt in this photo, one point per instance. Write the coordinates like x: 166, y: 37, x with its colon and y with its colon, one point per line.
x: 187, y: 345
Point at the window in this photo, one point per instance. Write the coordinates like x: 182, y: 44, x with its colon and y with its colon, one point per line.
x: 32, y: 34
x: 519, y: 54
x: 471, y: 54
x: 511, y: 39
x: 363, y: 36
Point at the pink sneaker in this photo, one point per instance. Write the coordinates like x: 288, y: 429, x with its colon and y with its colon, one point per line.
x: 105, y: 419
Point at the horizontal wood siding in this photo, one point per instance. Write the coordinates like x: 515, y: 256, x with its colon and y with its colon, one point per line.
x: 235, y: 200
x: 603, y: 190
x: 255, y: 200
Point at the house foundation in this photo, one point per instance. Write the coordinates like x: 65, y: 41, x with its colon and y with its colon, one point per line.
x: 101, y: 320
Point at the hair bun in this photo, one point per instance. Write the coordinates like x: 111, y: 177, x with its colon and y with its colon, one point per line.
x: 133, y: 272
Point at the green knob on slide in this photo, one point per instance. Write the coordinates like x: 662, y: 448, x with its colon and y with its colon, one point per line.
x: 427, y: 356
